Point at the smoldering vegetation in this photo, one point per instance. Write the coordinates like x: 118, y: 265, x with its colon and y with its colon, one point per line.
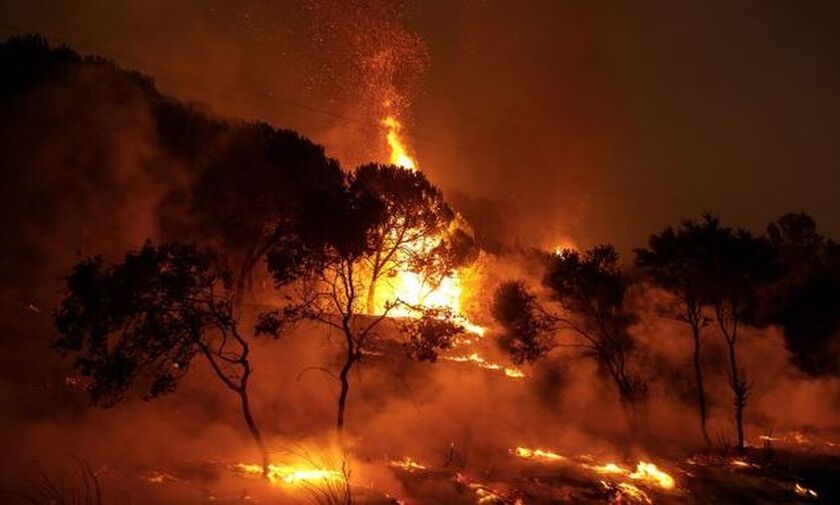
x: 96, y: 162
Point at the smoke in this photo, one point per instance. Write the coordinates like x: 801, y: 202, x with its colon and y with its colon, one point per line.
x: 87, y: 171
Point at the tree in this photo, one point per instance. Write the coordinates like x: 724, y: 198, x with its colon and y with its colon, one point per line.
x: 740, y: 264
x: 142, y: 322
x: 803, y: 300
x: 528, y: 329
x: 331, y: 260
x: 416, y: 220
x: 589, y: 292
x: 678, y: 261
x: 257, y: 187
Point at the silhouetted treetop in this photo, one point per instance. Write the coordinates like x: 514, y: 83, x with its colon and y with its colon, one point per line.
x: 144, y: 319
x: 804, y: 301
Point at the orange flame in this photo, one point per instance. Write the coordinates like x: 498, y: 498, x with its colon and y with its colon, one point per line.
x: 407, y: 286
x: 513, y: 373
x: 646, y: 472
x: 526, y: 453
x: 399, y: 153
x: 407, y: 464
x: 293, y: 475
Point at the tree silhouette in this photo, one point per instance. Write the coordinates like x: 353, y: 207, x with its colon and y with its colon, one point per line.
x: 142, y: 322
x: 803, y: 300
x: 740, y: 266
x: 678, y: 261
x: 328, y: 265
x: 257, y: 188
x: 589, y: 292
x: 528, y: 333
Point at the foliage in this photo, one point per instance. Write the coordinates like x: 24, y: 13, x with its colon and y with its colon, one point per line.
x: 526, y: 337
x: 588, y: 293
x: 432, y: 330
x: 804, y: 299
x: 148, y: 316
x: 144, y: 321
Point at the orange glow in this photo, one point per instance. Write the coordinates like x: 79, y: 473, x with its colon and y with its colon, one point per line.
x: 564, y: 244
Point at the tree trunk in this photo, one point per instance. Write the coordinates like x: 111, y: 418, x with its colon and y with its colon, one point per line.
x: 345, y: 389
x: 739, y: 391
x: 255, y: 432
x: 698, y: 377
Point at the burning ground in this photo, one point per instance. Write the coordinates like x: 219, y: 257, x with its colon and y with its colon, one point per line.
x: 264, y: 325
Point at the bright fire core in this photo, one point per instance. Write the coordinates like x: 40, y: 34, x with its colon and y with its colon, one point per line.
x: 408, y: 286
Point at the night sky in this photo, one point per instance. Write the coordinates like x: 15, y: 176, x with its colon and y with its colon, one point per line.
x: 595, y: 121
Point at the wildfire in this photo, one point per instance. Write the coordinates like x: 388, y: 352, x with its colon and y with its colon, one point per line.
x: 485, y: 494
x: 538, y: 454
x: 646, y: 472
x: 399, y: 153
x: 407, y: 464
x: 293, y: 475
x: 407, y: 286
x: 626, y: 493
x: 513, y: 373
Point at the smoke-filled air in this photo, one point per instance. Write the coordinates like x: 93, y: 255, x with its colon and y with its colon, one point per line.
x: 328, y: 252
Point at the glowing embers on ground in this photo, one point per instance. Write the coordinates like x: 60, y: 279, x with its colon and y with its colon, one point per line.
x: 486, y: 494
x: 511, y: 372
x: 624, y: 492
x: 294, y: 475
x: 646, y: 473
x: 797, y: 438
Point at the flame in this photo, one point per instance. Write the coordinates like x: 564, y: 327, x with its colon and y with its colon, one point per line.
x: 409, y: 286
x: 399, y: 153
x: 513, y: 373
x: 646, y: 472
x: 626, y: 493
x: 293, y: 475
x: 609, y: 468
x: 563, y: 245
x: 804, y: 491
x: 407, y: 464
x: 526, y: 453
x: 484, y: 493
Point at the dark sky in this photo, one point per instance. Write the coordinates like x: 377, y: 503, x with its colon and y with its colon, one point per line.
x: 598, y: 121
